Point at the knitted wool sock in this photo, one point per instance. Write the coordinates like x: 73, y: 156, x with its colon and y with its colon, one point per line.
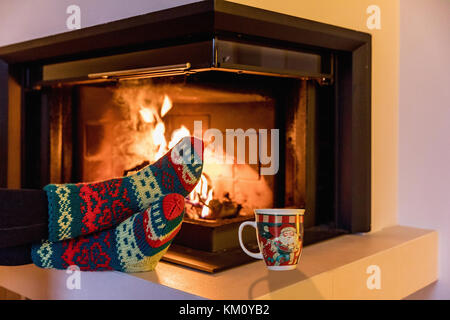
x: 135, y: 245
x: 84, y: 208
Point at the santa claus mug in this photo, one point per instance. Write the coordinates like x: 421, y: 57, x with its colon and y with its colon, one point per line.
x: 280, y: 237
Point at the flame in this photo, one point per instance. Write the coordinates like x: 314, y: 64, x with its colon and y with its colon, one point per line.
x: 167, y: 105
x: 147, y: 115
x: 178, y: 134
x: 159, y: 140
x: 150, y: 115
x: 200, y: 190
x: 203, y: 192
x: 205, y: 209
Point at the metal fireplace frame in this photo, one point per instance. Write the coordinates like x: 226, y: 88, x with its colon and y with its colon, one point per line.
x: 82, y: 54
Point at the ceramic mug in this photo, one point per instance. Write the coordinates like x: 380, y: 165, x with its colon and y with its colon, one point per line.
x: 280, y: 237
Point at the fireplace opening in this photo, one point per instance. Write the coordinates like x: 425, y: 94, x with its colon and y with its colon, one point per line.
x: 123, y: 127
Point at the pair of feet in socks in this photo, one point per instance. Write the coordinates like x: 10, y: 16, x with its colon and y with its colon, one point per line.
x: 124, y: 224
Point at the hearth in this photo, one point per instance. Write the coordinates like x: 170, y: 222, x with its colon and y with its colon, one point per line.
x: 105, y: 101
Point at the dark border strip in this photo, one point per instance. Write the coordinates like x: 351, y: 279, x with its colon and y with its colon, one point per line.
x: 3, y: 123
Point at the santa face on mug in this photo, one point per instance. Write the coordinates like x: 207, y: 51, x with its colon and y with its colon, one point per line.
x: 288, y: 237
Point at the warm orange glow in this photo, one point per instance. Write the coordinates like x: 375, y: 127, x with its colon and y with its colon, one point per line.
x: 200, y: 190
x: 147, y: 115
x: 203, y: 192
x: 205, y: 209
x: 167, y: 105
x: 178, y: 134
x: 159, y: 139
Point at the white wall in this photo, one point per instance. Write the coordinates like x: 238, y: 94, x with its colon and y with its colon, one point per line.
x: 22, y: 20
x: 424, y: 129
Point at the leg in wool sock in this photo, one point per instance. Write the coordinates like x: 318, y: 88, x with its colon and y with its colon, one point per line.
x: 135, y: 245
x: 84, y: 208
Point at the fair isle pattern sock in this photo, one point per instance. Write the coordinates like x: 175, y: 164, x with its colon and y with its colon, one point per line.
x: 135, y: 245
x: 84, y: 208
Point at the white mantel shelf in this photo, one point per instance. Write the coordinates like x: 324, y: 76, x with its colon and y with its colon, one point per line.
x: 334, y: 269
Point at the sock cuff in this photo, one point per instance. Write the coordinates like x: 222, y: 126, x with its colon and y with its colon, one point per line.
x: 42, y: 254
x: 63, y: 211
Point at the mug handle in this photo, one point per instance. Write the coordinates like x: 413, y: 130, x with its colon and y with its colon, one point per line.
x: 241, y: 227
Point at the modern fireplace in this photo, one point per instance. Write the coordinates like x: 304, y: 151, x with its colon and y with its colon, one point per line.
x: 105, y: 101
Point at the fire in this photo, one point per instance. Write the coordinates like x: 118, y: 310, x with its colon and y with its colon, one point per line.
x: 167, y: 105
x: 203, y: 192
x: 205, y: 209
x: 178, y: 134
x: 159, y: 139
x: 158, y: 133
x: 147, y: 115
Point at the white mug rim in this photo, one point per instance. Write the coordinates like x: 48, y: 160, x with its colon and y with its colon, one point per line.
x: 280, y: 212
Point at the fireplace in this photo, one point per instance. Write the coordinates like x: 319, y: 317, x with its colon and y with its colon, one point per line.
x: 107, y: 100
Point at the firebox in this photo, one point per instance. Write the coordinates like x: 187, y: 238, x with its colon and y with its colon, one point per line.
x: 105, y: 101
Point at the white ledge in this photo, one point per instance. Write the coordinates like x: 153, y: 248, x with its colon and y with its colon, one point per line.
x: 334, y: 269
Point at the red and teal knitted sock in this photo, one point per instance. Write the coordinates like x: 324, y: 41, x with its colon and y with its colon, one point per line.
x: 135, y: 245
x: 84, y: 208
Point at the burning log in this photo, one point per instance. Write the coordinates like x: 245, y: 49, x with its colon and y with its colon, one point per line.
x: 224, y: 209
x: 136, y: 168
